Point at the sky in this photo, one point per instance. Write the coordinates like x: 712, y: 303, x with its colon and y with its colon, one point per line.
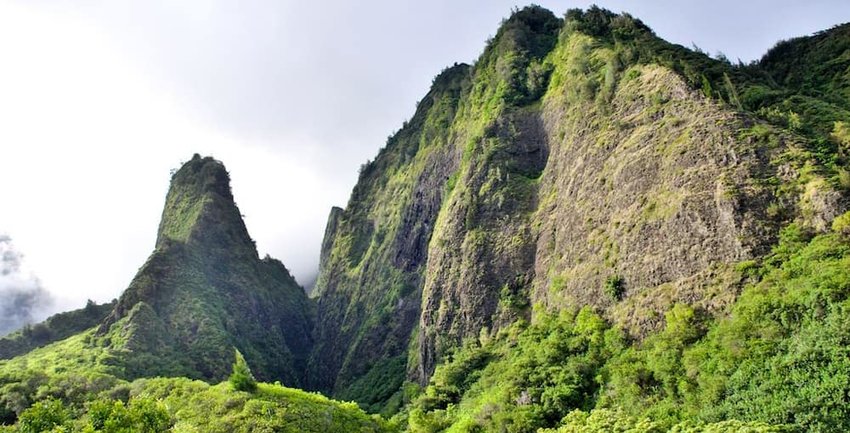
x: 101, y: 99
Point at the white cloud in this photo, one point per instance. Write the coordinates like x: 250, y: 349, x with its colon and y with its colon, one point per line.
x: 86, y: 146
x: 22, y: 299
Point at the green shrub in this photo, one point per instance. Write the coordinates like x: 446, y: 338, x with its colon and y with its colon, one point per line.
x: 528, y: 377
x: 614, y: 287
x: 841, y: 224
x: 242, y: 379
x: 608, y: 421
x: 43, y: 416
x: 142, y: 415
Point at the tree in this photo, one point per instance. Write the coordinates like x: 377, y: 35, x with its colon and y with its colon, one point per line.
x: 142, y: 415
x: 242, y: 379
x: 43, y: 416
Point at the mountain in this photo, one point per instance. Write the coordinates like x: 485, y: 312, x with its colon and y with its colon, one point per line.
x: 588, y: 229
x: 580, y: 162
x: 691, y: 261
x: 204, y: 291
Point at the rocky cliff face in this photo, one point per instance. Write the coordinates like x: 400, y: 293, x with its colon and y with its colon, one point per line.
x: 374, y: 252
x: 648, y: 198
x: 579, y: 162
x: 204, y: 291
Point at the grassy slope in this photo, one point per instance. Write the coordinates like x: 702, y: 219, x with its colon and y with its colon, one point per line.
x: 183, y: 405
x: 70, y: 369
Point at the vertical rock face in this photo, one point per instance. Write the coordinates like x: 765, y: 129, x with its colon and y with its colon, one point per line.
x: 579, y: 162
x: 330, y: 234
x: 481, y: 262
x: 374, y: 252
x: 666, y: 193
x: 204, y: 291
x: 482, y: 255
x: 618, y: 187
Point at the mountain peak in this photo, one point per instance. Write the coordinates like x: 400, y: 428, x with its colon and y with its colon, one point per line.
x: 200, y: 196
x: 534, y: 16
x: 601, y: 22
x: 207, y: 174
x: 532, y: 30
x: 204, y: 290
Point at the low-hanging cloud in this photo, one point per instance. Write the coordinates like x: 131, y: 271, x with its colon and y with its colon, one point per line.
x: 22, y: 298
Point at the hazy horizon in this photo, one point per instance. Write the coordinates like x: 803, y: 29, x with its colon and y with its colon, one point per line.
x: 101, y: 100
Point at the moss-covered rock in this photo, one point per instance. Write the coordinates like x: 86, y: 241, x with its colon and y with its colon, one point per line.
x: 572, y: 153
x: 204, y: 291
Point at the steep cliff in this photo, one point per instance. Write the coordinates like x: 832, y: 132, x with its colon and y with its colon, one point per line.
x: 578, y: 162
x: 374, y: 253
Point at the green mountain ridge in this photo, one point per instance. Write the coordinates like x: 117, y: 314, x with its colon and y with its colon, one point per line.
x: 550, y: 175
x: 589, y: 229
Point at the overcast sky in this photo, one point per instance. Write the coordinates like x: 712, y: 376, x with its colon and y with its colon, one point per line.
x: 99, y: 100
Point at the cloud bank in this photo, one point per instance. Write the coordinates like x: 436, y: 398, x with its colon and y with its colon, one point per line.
x: 22, y: 298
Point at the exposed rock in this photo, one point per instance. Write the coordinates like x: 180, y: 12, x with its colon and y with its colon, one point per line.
x: 562, y: 170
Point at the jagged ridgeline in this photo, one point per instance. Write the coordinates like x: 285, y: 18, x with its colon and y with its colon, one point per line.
x: 580, y: 162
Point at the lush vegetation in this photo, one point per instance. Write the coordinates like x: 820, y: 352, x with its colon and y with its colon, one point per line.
x: 780, y: 359
x: 97, y: 402
x: 183, y: 405
x: 452, y: 199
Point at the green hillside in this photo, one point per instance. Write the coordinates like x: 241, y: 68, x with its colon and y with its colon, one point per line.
x: 57, y: 327
x: 779, y: 358
x: 579, y: 162
x: 184, y: 405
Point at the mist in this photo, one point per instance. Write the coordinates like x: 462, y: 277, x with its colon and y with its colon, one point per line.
x: 23, y: 300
